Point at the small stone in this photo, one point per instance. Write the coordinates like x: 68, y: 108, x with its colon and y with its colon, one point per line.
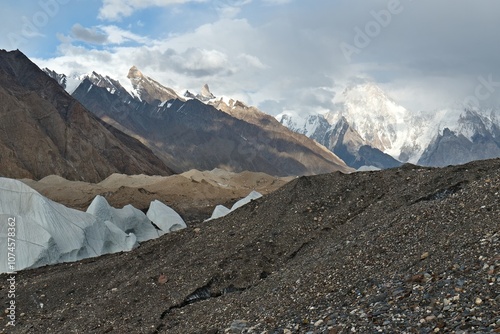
x: 318, y: 323
x: 197, y: 230
x: 424, y: 256
x: 162, y: 279
x: 416, y: 278
x: 238, y: 326
x: 287, y: 331
x: 114, y: 289
x: 430, y: 318
x: 478, y: 301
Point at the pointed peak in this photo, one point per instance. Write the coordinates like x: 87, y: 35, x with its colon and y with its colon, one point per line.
x: 94, y: 75
x: 134, y: 72
x: 206, y: 93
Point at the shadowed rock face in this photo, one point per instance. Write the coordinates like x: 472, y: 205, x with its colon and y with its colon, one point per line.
x: 193, y: 135
x: 44, y: 131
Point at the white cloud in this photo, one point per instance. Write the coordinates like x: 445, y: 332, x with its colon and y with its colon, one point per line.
x: 89, y: 35
x: 252, y: 61
x: 276, y: 2
x: 104, y: 35
x: 117, y: 35
x: 230, y: 8
x: 114, y: 10
x: 289, y: 57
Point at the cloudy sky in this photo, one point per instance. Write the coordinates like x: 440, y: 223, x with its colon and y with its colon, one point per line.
x: 274, y: 54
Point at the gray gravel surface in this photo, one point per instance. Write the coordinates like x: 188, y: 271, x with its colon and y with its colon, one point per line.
x: 407, y: 250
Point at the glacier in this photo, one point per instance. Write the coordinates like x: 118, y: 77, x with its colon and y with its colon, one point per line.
x: 44, y: 232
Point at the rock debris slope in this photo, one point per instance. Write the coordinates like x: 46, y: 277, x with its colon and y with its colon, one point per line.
x: 411, y: 249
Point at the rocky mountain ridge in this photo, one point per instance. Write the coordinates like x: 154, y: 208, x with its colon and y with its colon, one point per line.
x: 189, y: 134
x: 45, y: 131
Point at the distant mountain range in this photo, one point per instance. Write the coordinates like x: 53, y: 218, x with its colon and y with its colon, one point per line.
x: 44, y: 131
x: 365, y: 128
x: 369, y: 128
x: 198, y: 131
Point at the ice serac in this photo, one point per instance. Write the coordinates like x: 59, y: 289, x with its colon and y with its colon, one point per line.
x: 221, y: 211
x: 128, y: 219
x: 47, y: 232
x: 250, y: 197
x: 165, y: 217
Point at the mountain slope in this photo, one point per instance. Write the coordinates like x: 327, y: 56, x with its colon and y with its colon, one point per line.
x: 190, y: 134
x: 390, y: 251
x: 475, y: 137
x: 45, y: 131
x: 254, y: 116
x: 341, y: 139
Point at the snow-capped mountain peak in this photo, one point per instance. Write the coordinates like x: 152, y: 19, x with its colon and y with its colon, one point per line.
x: 150, y: 90
x: 308, y: 126
x: 69, y: 82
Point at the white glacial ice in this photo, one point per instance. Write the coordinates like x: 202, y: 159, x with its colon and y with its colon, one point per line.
x: 47, y: 232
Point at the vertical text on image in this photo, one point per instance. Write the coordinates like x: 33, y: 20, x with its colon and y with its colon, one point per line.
x: 11, y: 265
